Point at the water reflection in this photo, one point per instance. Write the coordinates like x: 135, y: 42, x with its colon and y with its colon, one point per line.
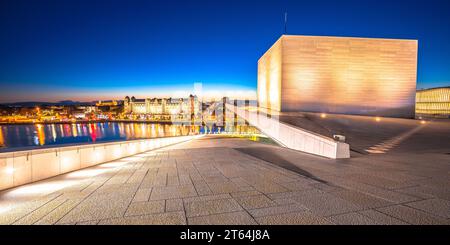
x: 18, y: 136
x: 40, y: 134
x: 2, y: 139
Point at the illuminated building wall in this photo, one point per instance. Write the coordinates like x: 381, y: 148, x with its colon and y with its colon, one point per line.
x: 362, y: 76
x: 107, y: 103
x: 433, y: 102
x: 269, y: 77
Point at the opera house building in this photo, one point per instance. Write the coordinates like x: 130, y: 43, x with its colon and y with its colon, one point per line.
x: 361, y: 76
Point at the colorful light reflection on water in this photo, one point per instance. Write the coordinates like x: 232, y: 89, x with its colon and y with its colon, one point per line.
x: 14, y: 137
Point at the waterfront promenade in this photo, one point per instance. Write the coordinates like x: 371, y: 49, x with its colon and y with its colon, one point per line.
x: 224, y: 180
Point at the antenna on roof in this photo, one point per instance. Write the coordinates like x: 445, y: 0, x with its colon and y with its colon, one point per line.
x: 285, y: 22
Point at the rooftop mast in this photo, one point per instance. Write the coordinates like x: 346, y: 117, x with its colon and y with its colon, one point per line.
x: 285, y: 22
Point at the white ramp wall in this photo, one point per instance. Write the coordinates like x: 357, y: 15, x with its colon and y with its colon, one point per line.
x: 293, y: 137
x: 22, y: 167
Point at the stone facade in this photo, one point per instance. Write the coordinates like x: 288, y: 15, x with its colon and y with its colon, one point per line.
x: 362, y: 76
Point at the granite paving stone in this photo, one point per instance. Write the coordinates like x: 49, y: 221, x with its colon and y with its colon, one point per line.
x: 224, y: 187
x: 325, y: 204
x: 141, y: 208
x: 382, y: 218
x: 255, y: 201
x: 98, y: 207
x: 172, y: 192
x: 39, y: 213
x: 276, y: 210
x: 361, y: 199
x: 413, y: 216
x: 142, y: 195
x: 170, y: 218
x: 174, y: 205
x: 352, y: 219
x: 202, y: 188
x: 206, y: 198
x: 59, y: 212
x: 201, y: 208
x: 90, y: 222
x: 245, y: 193
x: 297, y: 218
x: 12, y: 213
x: 438, y: 207
x: 233, y: 218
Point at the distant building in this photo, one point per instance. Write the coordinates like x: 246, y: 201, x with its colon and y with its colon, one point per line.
x: 362, y: 76
x: 433, y: 102
x: 111, y: 107
x: 162, y: 106
x: 79, y: 115
x: 107, y: 103
x: 88, y: 109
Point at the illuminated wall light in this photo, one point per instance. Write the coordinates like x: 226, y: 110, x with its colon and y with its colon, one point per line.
x: 65, y: 161
x: 378, y: 119
x: 98, y: 156
x: 117, y: 152
x: 323, y: 115
x: 132, y: 149
x: 9, y: 170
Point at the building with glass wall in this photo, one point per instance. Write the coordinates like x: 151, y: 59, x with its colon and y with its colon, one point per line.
x: 362, y: 76
x: 433, y: 102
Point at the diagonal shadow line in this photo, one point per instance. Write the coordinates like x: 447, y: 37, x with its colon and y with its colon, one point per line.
x: 268, y: 155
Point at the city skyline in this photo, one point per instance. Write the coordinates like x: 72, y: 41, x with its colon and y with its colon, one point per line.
x: 87, y: 51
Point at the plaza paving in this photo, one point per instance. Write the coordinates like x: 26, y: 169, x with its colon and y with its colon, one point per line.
x: 365, y: 134
x: 223, y: 180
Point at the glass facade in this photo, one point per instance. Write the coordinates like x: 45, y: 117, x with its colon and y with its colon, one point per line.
x: 433, y: 102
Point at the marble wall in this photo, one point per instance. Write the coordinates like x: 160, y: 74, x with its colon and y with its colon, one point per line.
x: 362, y: 76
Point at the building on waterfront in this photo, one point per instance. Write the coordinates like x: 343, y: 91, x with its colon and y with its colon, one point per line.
x: 433, y: 102
x: 162, y: 106
x: 108, y: 109
x: 101, y: 103
x: 61, y: 112
x: 362, y: 76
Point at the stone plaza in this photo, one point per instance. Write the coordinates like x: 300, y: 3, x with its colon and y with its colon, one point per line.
x: 220, y: 179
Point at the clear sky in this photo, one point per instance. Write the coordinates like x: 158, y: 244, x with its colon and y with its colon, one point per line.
x: 91, y: 49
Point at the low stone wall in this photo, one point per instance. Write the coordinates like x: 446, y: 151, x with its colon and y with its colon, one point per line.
x: 294, y: 137
x: 22, y: 167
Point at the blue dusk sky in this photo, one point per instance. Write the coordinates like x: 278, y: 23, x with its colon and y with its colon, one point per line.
x: 90, y: 49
